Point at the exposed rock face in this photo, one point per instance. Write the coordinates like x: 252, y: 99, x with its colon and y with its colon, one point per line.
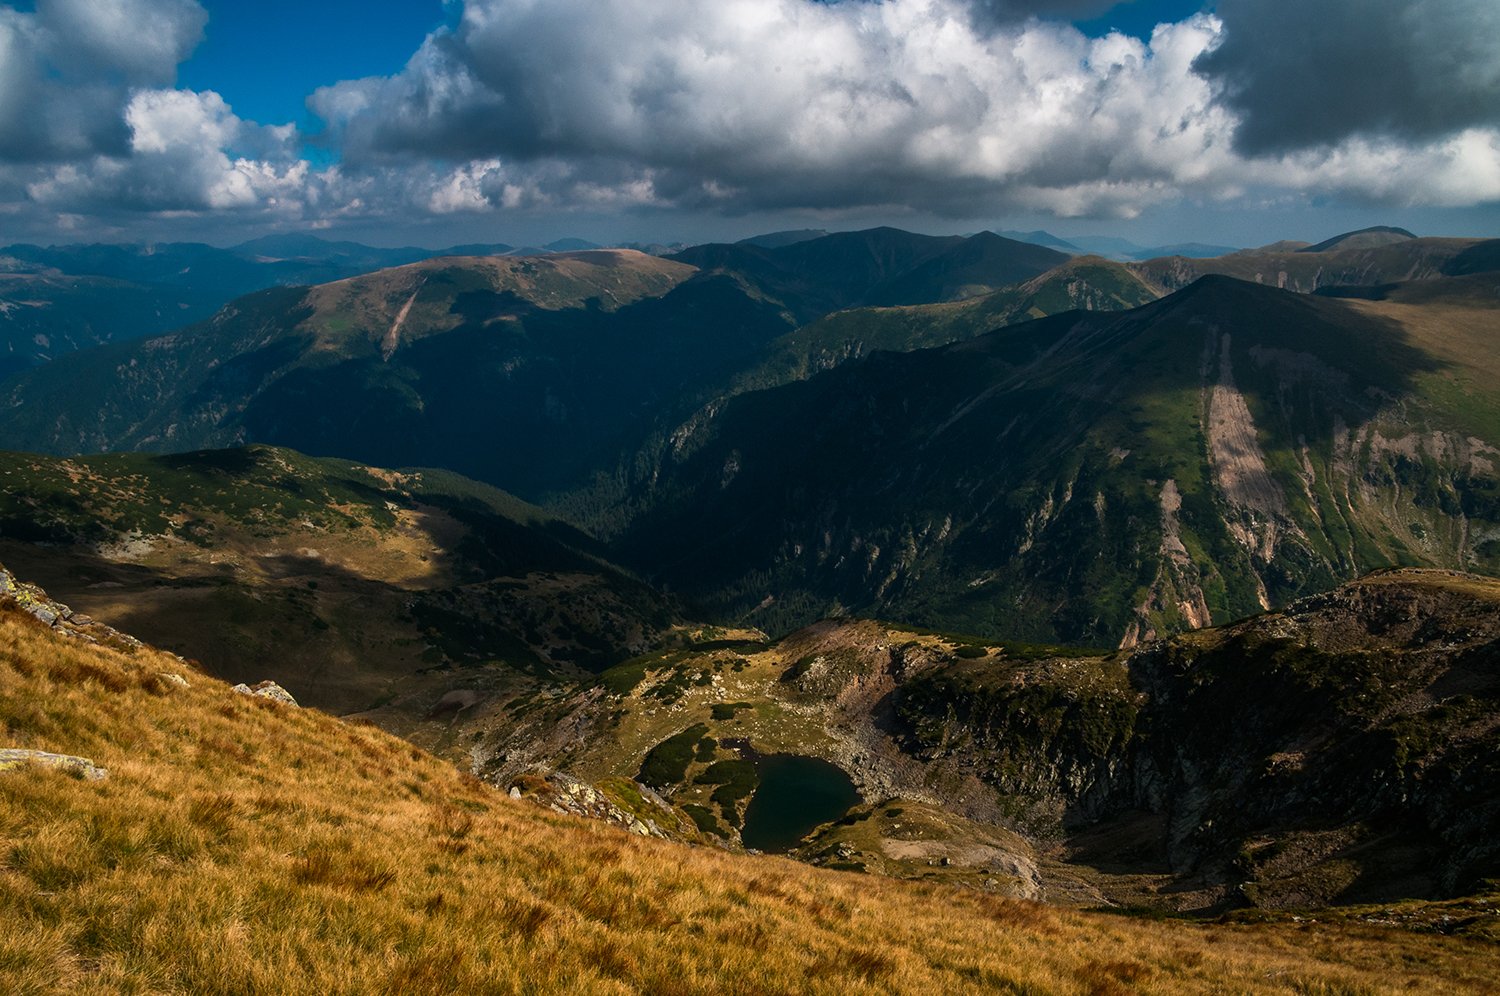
x: 626, y: 804
x: 267, y: 690
x: 81, y: 766
x: 63, y: 620
x: 1341, y: 749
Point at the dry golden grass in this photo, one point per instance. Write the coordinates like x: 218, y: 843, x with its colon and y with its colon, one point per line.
x: 244, y: 847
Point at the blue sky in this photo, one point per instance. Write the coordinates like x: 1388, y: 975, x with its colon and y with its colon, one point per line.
x: 265, y: 57
x: 521, y: 121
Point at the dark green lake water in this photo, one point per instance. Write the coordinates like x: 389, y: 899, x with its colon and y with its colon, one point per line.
x: 796, y: 794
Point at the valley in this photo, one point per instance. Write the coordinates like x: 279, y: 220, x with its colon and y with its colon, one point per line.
x: 1067, y: 584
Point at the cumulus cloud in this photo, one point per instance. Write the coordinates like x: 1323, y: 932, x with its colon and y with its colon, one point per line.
x: 748, y: 105
x: 1318, y: 72
x: 756, y: 104
x: 965, y: 108
x: 67, y: 71
x: 176, y: 160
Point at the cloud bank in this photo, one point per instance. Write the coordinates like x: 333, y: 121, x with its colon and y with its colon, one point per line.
x: 960, y: 109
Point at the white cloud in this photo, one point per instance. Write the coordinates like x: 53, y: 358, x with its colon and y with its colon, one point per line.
x: 795, y: 104
x: 731, y: 107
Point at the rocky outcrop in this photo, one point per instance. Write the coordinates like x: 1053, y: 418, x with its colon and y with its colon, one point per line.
x: 631, y: 806
x: 62, y: 620
x: 267, y: 690
x: 11, y: 759
x: 1339, y: 750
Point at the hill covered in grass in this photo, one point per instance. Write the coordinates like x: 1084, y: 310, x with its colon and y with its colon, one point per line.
x: 239, y: 845
x: 345, y: 583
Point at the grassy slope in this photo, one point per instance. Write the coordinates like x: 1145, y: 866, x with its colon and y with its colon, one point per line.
x: 239, y: 846
x: 343, y: 583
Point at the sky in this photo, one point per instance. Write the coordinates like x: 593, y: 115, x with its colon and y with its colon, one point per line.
x: 436, y: 122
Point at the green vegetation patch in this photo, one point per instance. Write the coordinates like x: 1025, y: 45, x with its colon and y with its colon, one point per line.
x: 705, y: 819
x: 725, y: 710
x: 622, y: 679
x: 736, y: 780
x: 667, y: 762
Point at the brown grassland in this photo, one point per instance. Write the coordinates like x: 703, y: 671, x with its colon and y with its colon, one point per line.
x: 240, y: 846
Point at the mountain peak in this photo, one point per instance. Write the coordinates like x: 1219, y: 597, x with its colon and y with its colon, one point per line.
x: 1365, y: 238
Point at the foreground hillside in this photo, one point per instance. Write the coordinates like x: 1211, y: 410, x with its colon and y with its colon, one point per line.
x: 240, y: 845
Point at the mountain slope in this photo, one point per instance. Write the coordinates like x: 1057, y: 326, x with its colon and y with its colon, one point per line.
x: 400, y: 366
x: 1306, y: 271
x: 346, y: 584
x: 1087, y: 478
x: 880, y: 266
x: 241, y: 845
x: 45, y: 315
x: 1088, y: 283
x: 62, y: 298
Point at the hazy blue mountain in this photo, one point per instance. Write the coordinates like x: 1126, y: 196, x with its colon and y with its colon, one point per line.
x: 1193, y: 249
x: 775, y: 240
x: 1040, y: 238
x: 1107, y: 246
x: 1365, y: 238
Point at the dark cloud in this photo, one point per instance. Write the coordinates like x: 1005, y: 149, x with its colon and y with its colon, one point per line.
x: 67, y: 71
x: 1316, y: 72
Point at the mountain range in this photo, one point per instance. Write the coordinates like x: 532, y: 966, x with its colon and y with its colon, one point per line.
x: 947, y: 570
x: 1097, y: 452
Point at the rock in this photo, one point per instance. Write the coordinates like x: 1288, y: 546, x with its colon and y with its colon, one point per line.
x: 567, y: 794
x: 515, y: 792
x: 267, y: 690
x: 174, y: 679
x: 12, y: 758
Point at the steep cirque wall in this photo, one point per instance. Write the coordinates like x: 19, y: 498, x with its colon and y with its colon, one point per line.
x: 1337, y: 751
